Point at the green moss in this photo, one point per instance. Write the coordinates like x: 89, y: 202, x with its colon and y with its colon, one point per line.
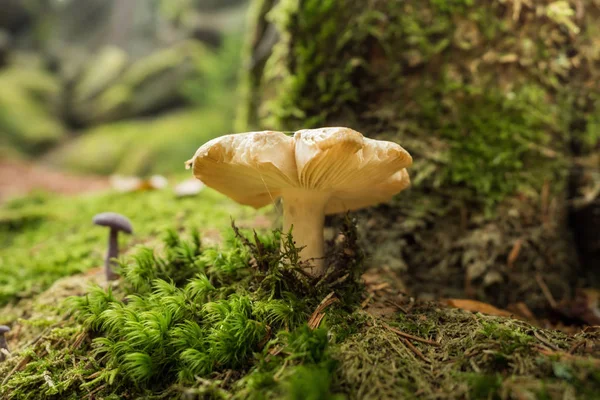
x: 308, y: 72
x: 452, y: 6
x: 11, y: 221
x: 420, y: 325
x: 48, y: 237
x: 342, y: 325
x: 510, y: 339
x: 426, y: 75
x: 189, y: 312
x: 215, y: 85
x: 103, y: 70
x: 227, y: 331
x: 319, y: 387
x: 484, y: 387
x: 590, y: 137
x: 510, y: 139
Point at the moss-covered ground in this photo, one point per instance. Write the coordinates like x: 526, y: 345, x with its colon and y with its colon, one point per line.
x: 200, y: 316
x: 45, y: 237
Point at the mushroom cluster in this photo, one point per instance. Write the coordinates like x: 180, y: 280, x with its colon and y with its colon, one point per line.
x: 316, y: 172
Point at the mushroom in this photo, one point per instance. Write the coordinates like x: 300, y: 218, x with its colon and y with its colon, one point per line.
x: 316, y: 172
x: 3, y: 346
x: 117, y: 223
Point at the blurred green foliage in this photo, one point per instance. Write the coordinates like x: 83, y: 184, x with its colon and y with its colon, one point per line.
x: 143, y: 146
x: 28, y: 107
x: 216, y: 83
x: 160, y: 144
x: 120, y: 129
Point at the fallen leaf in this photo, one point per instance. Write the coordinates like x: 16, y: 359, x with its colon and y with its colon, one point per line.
x: 379, y: 286
x: 158, y: 182
x: 189, y: 187
x: 514, y: 253
x: 585, y: 306
x: 477, y: 306
x: 126, y: 184
x: 521, y: 309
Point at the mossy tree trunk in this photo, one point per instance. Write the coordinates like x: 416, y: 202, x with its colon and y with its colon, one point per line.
x: 491, y: 98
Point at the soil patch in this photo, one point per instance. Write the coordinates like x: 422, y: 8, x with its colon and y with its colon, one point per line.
x: 19, y: 178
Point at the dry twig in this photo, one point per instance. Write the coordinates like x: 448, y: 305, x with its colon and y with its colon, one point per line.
x: 514, y: 253
x: 93, y: 392
x: 545, y: 340
x: 78, y: 340
x: 411, y: 337
x: 545, y: 290
x: 379, y: 286
x: 227, y: 378
x: 575, y: 347
x: 398, y: 306
x: 317, y: 316
x: 17, y: 367
x: 366, y: 301
x: 415, y: 350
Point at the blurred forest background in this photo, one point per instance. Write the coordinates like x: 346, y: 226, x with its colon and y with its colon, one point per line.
x: 104, y: 86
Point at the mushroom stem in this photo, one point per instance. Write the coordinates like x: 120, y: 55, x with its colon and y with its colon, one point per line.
x: 113, y: 252
x: 3, y: 345
x: 304, y: 212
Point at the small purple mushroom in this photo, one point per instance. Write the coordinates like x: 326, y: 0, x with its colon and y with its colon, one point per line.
x: 117, y: 223
x: 3, y: 345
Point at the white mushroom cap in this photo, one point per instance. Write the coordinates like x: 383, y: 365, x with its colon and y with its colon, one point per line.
x: 359, y: 172
x: 255, y: 168
x: 251, y: 168
x: 114, y: 221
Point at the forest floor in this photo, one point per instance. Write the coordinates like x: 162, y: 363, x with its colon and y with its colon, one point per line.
x: 219, y: 316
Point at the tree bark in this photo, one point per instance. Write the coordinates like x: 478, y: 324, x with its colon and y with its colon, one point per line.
x: 491, y: 99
